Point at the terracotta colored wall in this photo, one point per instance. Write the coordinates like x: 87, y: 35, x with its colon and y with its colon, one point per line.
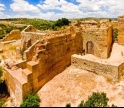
x: 101, y: 38
x: 13, y: 35
x: 53, y: 60
x: 121, y: 30
x: 56, y: 57
x: 115, y: 24
x: 109, y: 40
x: 101, y: 68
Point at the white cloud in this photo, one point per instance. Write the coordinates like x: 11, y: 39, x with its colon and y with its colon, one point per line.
x: 2, y: 7
x: 112, y: 8
x: 62, y: 5
x: 54, y: 9
x: 22, y: 6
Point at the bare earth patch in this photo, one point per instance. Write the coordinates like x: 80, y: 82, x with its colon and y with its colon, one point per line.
x: 74, y: 85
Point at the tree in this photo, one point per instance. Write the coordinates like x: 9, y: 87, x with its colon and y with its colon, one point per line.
x: 95, y: 100
x: 32, y: 100
x: 110, y: 19
x: 60, y: 23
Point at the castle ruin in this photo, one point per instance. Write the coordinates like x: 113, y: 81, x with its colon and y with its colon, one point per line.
x: 47, y: 54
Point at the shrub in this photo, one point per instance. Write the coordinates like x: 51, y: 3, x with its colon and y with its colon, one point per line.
x: 2, y: 102
x: 1, y: 71
x: 3, y: 56
x: 1, y: 80
x: 68, y: 105
x: 32, y: 100
x: 2, y: 36
x: 60, y: 23
x: 115, y: 34
x: 12, y: 47
x: 96, y: 100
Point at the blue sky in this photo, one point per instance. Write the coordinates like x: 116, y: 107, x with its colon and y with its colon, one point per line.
x: 54, y: 9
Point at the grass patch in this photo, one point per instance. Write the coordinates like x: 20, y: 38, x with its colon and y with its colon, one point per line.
x: 3, y: 56
x: 12, y: 47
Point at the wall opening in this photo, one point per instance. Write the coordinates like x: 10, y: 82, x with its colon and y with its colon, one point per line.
x: 89, y: 47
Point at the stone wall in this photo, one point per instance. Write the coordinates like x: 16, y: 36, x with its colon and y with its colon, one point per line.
x: 30, y: 52
x: 121, y: 72
x: 115, y: 24
x: 100, y: 67
x: 55, y: 56
x: 121, y: 30
x: 14, y: 85
x: 31, y: 35
x: 101, y: 39
x: 110, y: 39
x: 13, y: 35
x: 30, y: 28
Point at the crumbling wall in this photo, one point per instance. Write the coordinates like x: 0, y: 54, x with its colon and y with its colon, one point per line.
x: 30, y: 28
x: 101, y: 39
x: 55, y: 57
x: 101, y: 68
x: 121, y: 30
x: 114, y: 24
x: 109, y: 40
x: 121, y: 72
x: 13, y: 35
x: 31, y: 35
x: 30, y: 52
x: 14, y: 84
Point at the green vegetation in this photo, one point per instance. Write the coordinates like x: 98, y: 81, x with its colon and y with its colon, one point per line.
x: 60, y: 23
x: 39, y: 24
x: 96, y: 100
x: 68, y: 105
x: 3, y: 56
x: 32, y: 100
x: 2, y: 103
x: 12, y: 47
x: 115, y: 34
x: 1, y: 71
x: 4, y: 29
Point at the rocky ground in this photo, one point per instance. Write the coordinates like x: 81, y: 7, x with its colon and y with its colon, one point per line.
x: 74, y: 85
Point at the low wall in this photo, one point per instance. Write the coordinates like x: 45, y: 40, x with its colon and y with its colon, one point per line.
x: 34, y: 36
x: 29, y: 53
x: 101, y: 68
x: 13, y: 35
x: 21, y: 65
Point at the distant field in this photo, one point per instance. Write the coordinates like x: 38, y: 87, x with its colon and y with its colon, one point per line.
x: 37, y: 23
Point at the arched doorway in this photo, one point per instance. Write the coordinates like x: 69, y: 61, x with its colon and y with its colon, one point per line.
x: 89, y: 47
